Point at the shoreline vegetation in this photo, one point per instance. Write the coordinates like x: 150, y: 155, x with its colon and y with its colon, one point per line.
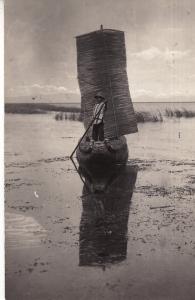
x: 71, y: 112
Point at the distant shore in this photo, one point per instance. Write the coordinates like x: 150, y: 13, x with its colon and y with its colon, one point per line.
x: 37, y: 108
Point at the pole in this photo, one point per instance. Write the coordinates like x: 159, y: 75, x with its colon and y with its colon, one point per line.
x: 97, y: 115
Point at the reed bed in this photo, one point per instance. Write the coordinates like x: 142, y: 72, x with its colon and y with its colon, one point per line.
x: 141, y: 117
x: 144, y: 116
x: 73, y: 116
x: 179, y: 113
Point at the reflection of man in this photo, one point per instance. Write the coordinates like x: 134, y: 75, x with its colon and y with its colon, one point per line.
x: 98, y: 125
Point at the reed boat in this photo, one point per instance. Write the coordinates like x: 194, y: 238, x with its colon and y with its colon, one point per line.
x: 101, y: 67
x: 107, y: 152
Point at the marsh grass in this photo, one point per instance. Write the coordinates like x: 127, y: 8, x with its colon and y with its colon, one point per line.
x: 73, y: 116
x: 179, y: 113
x: 143, y: 116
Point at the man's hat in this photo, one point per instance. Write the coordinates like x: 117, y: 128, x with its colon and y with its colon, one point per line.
x: 99, y: 95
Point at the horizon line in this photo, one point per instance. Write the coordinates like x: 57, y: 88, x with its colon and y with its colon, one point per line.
x: 80, y: 102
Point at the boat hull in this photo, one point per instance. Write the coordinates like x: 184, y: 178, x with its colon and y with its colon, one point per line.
x: 103, y: 152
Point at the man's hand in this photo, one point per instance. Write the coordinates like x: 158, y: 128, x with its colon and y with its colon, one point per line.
x: 105, y: 103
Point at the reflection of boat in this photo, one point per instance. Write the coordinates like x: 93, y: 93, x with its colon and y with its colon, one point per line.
x: 104, y: 220
x: 101, y: 65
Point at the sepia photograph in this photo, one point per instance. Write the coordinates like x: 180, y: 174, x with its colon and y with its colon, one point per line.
x: 99, y: 149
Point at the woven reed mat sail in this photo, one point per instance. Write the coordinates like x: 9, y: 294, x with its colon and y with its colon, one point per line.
x: 101, y: 66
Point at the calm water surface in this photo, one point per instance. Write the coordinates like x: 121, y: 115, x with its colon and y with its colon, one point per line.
x: 127, y: 234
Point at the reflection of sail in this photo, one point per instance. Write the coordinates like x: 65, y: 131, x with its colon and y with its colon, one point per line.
x: 104, y: 220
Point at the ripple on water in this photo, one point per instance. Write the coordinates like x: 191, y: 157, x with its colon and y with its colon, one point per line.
x: 23, y: 231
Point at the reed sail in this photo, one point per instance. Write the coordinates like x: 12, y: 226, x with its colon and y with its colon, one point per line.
x: 101, y: 66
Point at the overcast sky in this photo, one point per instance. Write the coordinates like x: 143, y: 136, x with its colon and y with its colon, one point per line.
x: 40, y: 46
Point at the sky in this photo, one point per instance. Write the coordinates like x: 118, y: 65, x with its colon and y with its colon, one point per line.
x: 40, y: 46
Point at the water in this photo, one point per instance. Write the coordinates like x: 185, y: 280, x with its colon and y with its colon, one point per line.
x: 133, y: 241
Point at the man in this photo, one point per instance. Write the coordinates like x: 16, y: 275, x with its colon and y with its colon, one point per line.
x: 98, y: 125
